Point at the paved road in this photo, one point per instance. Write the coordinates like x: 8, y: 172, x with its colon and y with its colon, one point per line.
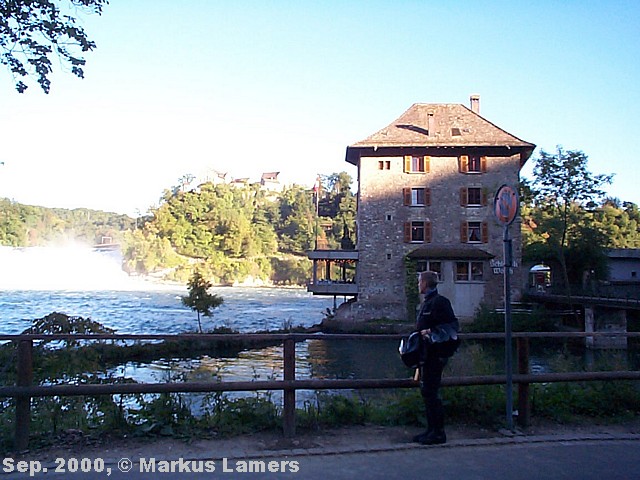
x: 609, y: 459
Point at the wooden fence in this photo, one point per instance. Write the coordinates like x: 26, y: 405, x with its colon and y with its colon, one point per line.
x: 24, y: 389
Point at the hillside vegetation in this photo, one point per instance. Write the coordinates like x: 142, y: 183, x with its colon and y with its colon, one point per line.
x: 230, y: 233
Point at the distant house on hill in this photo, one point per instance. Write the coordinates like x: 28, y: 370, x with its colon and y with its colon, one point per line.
x: 211, y: 176
x: 240, y: 182
x: 269, y: 181
x: 426, y: 184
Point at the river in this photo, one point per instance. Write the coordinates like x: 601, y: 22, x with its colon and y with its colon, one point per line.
x: 78, y: 281
x: 81, y: 282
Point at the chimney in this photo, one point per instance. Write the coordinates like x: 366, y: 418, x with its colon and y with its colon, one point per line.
x: 475, y: 103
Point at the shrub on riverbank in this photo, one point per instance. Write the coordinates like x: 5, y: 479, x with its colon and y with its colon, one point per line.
x: 207, y: 415
x: 537, y: 320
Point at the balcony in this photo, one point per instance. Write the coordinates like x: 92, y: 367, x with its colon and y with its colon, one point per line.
x: 333, y: 272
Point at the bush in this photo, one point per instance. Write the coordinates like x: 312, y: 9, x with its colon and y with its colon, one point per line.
x: 488, y: 320
x: 565, y: 402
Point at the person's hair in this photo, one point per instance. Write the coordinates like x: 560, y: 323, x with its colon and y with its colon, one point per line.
x: 430, y: 277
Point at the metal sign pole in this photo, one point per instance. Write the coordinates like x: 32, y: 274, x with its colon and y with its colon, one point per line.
x: 505, y: 207
x: 508, y: 360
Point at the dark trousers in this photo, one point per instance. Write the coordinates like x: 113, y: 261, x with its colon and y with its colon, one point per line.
x: 430, y: 381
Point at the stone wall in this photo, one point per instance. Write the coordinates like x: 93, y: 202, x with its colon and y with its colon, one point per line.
x: 381, y: 274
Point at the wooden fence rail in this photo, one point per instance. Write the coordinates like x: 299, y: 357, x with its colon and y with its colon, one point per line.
x: 24, y: 389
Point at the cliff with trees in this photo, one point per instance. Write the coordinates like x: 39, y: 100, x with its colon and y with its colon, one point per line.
x: 232, y: 233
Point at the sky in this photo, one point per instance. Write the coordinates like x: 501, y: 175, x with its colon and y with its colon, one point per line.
x: 248, y: 87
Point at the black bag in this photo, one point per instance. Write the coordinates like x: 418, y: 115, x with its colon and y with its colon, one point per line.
x: 412, y: 350
x: 444, y: 340
x: 447, y: 348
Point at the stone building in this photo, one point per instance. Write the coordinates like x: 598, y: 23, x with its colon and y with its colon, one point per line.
x: 426, y: 185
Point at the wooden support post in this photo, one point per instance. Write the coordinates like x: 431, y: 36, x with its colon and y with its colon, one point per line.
x: 524, y: 402
x: 289, y: 409
x: 23, y: 404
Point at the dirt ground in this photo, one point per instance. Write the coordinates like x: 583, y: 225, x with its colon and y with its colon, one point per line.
x: 352, y: 438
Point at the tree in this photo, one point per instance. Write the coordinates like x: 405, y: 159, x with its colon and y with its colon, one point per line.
x: 297, y: 229
x: 199, y: 299
x: 32, y: 31
x: 564, y: 190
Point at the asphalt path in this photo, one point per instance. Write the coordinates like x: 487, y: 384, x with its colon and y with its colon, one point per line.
x: 576, y: 459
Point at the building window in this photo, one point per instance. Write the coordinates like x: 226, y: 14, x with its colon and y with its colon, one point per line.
x: 430, y: 266
x: 472, y: 164
x: 472, y: 197
x: 417, y: 232
x: 413, y: 164
x: 469, y: 271
x: 384, y: 164
x: 416, y: 196
x: 389, y: 218
x: 474, y: 232
x: 417, y: 164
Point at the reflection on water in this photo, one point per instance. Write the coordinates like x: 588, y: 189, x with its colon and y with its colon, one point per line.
x: 355, y: 359
x: 250, y: 365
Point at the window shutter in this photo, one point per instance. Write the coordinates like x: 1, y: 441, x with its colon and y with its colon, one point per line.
x: 407, y: 232
x: 427, y: 232
x: 427, y: 197
x: 463, y: 232
x: 464, y: 163
x: 485, y: 232
x: 427, y: 164
x: 483, y: 164
x: 464, y: 197
x: 406, y: 194
x: 484, y: 198
x: 407, y: 163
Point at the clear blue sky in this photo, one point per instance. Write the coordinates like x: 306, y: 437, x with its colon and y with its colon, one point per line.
x: 247, y: 87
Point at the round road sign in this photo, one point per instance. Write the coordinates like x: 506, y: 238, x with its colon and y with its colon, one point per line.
x: 506, y: 204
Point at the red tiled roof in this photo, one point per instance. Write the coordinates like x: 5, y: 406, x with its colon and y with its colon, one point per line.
x: 450, y: 125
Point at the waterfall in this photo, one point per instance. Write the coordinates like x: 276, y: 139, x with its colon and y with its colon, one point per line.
x: 69, y: 267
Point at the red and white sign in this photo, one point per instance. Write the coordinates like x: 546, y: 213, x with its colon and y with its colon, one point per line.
x: 506, y: 204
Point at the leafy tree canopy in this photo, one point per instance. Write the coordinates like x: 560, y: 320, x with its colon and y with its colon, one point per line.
x: 563, y: 179
x: 561, y: 218
x: 26, y: 225
x: 33, y: 31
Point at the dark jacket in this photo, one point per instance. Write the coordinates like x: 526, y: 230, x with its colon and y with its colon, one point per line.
x: 435, y: 310
x: 437, y: 314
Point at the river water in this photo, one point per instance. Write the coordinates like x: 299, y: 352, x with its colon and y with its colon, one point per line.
x: 78, y: 281
x: 81, y: 282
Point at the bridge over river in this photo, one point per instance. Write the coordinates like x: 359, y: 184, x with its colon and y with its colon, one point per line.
x: 605, y: 309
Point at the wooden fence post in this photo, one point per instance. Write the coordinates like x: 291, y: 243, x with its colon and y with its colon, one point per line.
x: 524, y: 402
x: 23, y: 404
x: 289, y: 409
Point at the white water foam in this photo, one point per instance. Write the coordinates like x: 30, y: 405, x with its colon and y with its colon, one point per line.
x: 70, y: 267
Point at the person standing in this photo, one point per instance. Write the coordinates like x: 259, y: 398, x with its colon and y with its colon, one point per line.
x: 439, y: 327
